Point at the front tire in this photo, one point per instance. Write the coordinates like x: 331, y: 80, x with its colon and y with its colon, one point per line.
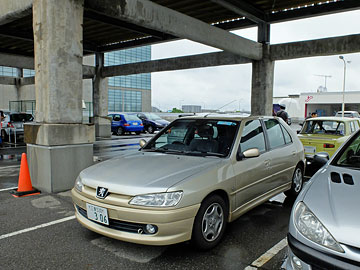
x: 210, y: 223
x: 297, y: 182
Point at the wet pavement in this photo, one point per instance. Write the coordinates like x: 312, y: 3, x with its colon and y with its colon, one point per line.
x: 40, y: 232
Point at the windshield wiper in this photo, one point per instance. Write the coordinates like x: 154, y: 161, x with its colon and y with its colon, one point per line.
x: 204, y: 154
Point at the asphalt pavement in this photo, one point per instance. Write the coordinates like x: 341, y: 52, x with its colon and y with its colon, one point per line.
x: 40, y: 232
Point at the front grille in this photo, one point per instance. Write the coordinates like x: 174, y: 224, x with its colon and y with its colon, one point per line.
x: 118, y: 224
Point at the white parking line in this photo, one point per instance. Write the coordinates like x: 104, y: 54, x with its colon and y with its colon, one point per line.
x: 268, y: 255
x: 36, y: 227
x: 10, y: 188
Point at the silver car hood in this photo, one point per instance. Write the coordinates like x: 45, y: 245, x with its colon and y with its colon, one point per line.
x: 336, y: 205
x: 144, y: 172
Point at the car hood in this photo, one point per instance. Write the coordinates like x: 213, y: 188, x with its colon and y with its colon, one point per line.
x: 160, y: 122
x: 336, y: 204
x: 144, y: 172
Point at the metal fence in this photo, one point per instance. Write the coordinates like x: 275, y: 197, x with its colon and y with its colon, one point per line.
x: 29, y: 106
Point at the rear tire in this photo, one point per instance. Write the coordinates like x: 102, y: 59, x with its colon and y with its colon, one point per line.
x: 210, y: 223
x: 120, y: 131
x: 137, y: 132
x: 296, y: 183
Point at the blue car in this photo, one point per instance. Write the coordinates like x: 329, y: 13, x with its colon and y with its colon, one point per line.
x: 152, y: 122
x: 122, y: 123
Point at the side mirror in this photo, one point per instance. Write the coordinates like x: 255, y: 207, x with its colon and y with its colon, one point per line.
x: 321, y: 158
x: 250, y: 153
x: 142, y: 143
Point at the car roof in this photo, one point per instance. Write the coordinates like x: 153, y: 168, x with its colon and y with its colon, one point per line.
x: 331, y: 118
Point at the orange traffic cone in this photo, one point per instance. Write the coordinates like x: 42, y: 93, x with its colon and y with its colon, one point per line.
x: 24, y: 186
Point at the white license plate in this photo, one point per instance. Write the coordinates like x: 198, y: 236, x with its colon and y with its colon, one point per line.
x: 98, y: 214
x: 310, y: 149
x: 135, y: 124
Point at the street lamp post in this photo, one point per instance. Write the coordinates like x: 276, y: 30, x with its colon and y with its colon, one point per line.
x: 343, y: 98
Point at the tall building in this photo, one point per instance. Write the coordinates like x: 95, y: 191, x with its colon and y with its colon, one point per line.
x: 130, y: 93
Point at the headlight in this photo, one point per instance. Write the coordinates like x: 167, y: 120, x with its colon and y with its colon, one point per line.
x: 310, y: 227
x: 158, y: 199
x: 78, y: 184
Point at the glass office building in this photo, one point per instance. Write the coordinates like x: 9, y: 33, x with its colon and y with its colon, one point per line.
x: 127, y: 93
x: 11, y: 72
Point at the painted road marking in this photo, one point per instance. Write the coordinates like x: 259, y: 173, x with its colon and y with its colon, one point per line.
x: 268, y: 255
x: 36, y: 227
x: 6, y: 189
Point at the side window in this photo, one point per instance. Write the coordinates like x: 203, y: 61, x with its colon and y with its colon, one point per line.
x: 286, y: 135
x: 252, y: 136
x: 356, y: 125
x: 276, y: 137
x: 352, y: 127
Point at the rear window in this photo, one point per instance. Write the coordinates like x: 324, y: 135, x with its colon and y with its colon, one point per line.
x: 323, y: 127
x: 131, y: 117
x: 21, y: 117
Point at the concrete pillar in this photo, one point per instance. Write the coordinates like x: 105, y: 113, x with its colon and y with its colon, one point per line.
x: 262, y: 84
x: 59, y: 146
x: 100, y: 100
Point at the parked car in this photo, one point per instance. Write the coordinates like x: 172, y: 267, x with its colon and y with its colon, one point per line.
x: 122, y: 123
x: 152, y: 122
x: 190, y: 180
x: 351, y: 114
x: 13, y: 124
x: 326, y: 134
x: 324, y: 231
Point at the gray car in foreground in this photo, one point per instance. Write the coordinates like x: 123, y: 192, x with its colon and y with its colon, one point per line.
x: 324, y: 229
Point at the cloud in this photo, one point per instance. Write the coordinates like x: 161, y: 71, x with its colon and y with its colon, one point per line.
x: 214, y: 87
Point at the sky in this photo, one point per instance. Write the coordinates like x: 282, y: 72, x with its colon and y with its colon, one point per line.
x: 214, y: 87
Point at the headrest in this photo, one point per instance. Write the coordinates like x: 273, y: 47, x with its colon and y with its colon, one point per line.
x: 205, y: 131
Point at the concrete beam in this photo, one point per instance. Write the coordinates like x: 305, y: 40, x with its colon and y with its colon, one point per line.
x: 16, y: 61
x: 14, y: 9
x: 27, y: 81
x: 318, y: 47
x: 88, y: 72
x: 243, y: 9
x: 148, y: 14
x: 8, y: 80
x: 177, y: 63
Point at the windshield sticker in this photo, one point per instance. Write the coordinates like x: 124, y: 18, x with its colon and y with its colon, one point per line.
x: 226, y: 123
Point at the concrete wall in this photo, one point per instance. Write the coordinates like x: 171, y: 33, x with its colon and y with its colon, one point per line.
x: 7, y: 93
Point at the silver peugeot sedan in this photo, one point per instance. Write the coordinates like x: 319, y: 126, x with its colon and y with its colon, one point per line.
x: 190, y: 180
x: 324, y: 229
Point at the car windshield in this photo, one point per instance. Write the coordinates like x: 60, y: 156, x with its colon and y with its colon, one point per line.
x: 21, y: 117
x: 152, y: 116
x: 198, y: 137
x: 131, y: 117
x: 349, y: 155
x: 323, y: 127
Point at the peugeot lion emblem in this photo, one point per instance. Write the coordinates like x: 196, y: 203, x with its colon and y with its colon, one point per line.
x: 101, y: 192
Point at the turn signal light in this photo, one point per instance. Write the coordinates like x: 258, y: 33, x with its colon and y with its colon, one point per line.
x: 329, y: 145
x: 126, y: 125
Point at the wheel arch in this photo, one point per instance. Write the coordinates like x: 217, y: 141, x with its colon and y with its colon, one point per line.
x: 223, y: 194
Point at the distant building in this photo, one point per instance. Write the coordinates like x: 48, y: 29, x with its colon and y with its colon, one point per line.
x: 131, y: 93
x: 191, y: 108
x: 324, y: 103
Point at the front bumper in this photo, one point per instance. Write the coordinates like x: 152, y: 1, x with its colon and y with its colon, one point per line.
x: 312, y: 259
x: 174, y: 225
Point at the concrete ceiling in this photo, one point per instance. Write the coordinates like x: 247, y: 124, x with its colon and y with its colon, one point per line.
x: 103, y: 32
